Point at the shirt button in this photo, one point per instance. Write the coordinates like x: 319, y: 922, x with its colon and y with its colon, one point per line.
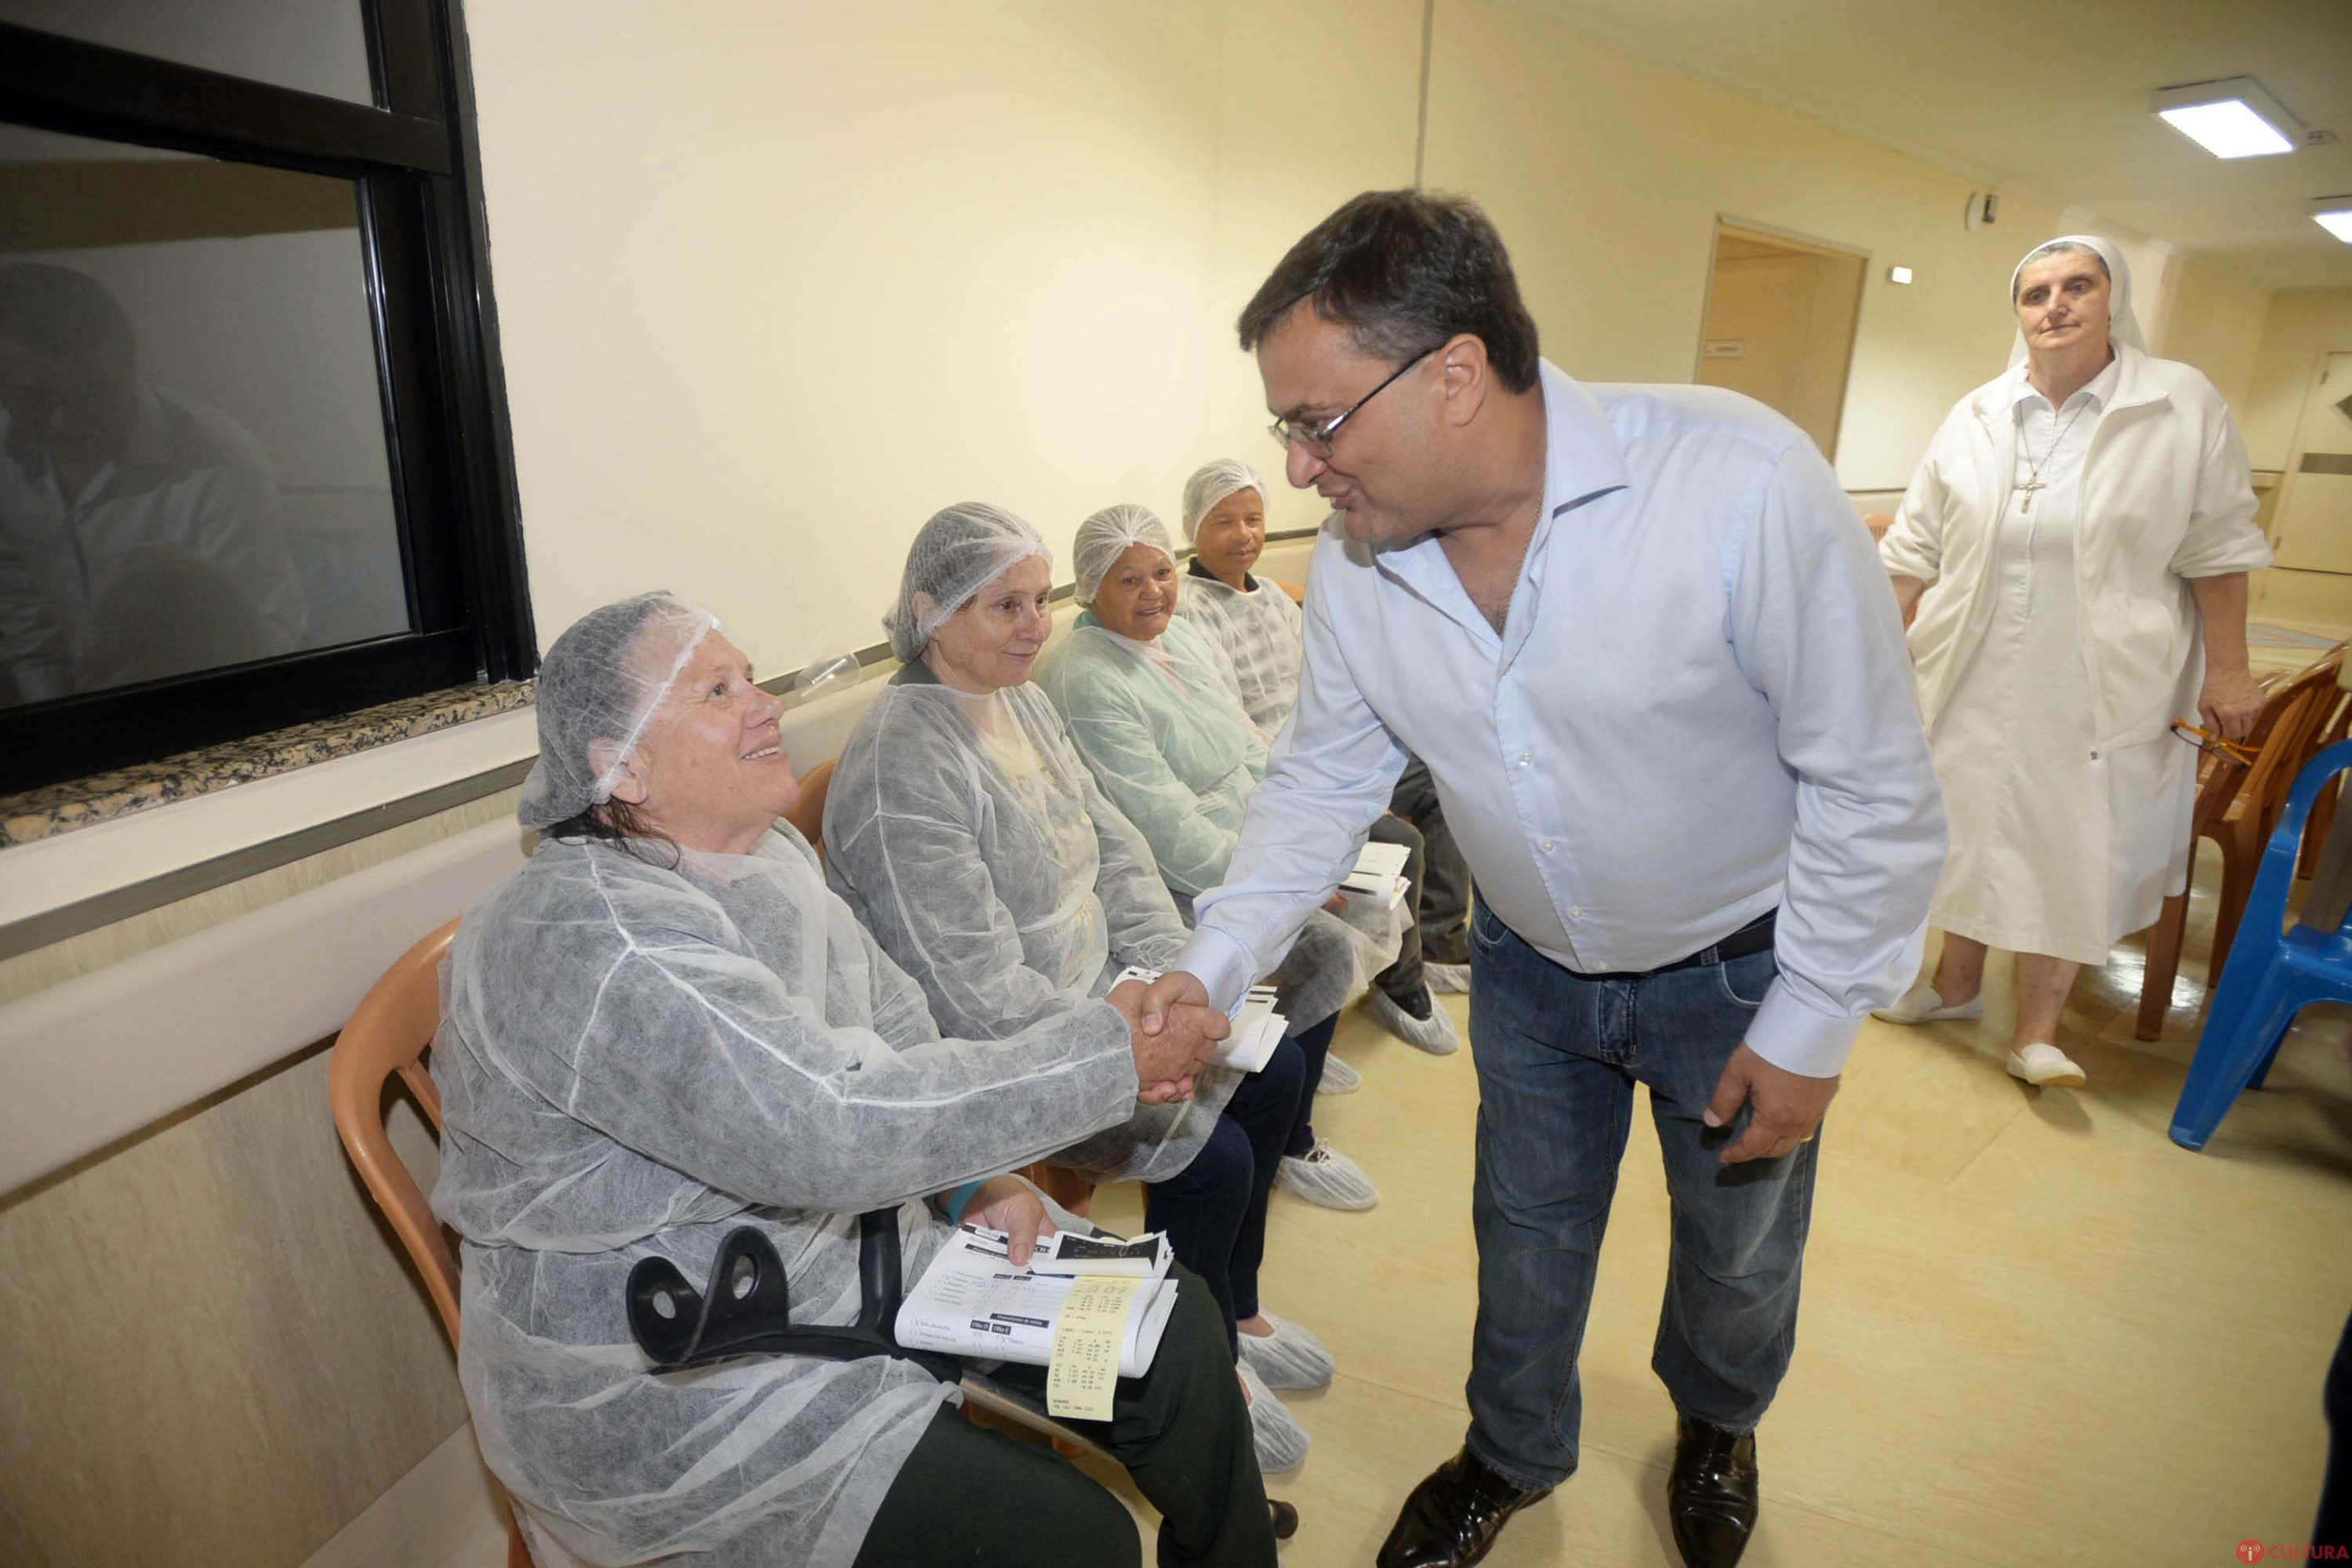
x: 1525, y: 757
x: 1547, y: 845
x: 1578, y: 913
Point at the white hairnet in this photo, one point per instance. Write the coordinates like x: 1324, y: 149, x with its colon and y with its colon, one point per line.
x: 1110, y: 534
x: 958, y: 552
x: 635, y: 1060
x: 1213, y: 482
x: 603, y: 680
x: 2123, y: 327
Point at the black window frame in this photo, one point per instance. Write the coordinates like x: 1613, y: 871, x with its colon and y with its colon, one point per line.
x: 415, y: 166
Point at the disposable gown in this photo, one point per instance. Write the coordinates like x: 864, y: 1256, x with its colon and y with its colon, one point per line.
x: 968, y: 837
x: 1162, y: 728
x: 634, y: 1061
x: 1261, y: 631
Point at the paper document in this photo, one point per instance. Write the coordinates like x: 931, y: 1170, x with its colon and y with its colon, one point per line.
x: 1380, y: 874
x: 1083, y: 1376
x: 972, y: 1301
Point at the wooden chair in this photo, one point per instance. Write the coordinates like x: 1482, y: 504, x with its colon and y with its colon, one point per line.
x: 1878, y: 522
x: 808, y: 812
x: 2322, y: 810
x: 2237, y: 806
x: 387, y: 1036
x: 1297, y: 594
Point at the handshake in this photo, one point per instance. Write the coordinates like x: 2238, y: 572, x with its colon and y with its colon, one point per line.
x: 1175, y: 1033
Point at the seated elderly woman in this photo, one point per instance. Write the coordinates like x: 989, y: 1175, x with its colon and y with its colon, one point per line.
x: 1153, y: 709
x: 964, y: 831
x: 662, y: 1028
x: 1258, y: 627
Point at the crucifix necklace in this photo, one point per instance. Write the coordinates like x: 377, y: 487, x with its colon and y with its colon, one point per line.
x: 2033, y: 469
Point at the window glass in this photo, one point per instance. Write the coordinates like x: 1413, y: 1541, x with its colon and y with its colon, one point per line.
x: 193, y: 461
x: 317, y: 45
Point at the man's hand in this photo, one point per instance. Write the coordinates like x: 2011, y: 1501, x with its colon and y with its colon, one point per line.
x: 1006, y: 1204
x: 1336, y: 903
x: 1176, y: 985
x: 2230, y: 704
x: 1167, y: 1058
x: 1787, y: 1107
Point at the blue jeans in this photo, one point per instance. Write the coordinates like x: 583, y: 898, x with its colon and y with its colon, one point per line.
x: 1558, y: 1058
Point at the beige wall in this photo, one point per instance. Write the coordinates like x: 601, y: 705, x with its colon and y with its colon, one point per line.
x: 2298, y: 325
x: 776, y: 284
x: 1607, y: 173
x: 2216, y: 323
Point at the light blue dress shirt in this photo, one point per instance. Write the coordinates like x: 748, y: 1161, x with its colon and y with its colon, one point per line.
x: 1700, y: 709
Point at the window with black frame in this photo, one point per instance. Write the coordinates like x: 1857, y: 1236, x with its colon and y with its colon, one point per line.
x: 253, y: 460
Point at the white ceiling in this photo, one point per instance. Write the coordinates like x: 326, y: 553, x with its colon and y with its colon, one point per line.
x: 2047, y: 100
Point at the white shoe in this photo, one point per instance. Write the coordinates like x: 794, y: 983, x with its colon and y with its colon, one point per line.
x: 2045, y: 1067
x: 1326, y: 1177
x: 1289, y: 1357
x: 1280, y: 1441
x: 1454, y: 978
x: 1923, y: 1005
x: 1339, y: 1077
x: 1433, y: 1034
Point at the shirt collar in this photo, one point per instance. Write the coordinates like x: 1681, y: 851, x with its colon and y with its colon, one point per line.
x: 2099, y: 391
x: 1197, y: 570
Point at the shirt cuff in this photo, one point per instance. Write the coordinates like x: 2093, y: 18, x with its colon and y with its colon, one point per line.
x: 1795, y: 1039
x: 1222, y: 964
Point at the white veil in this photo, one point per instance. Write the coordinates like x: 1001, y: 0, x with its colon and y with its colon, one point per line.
x: 2123, y: 327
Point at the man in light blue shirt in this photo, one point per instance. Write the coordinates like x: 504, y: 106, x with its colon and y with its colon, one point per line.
x: 1648, y: 654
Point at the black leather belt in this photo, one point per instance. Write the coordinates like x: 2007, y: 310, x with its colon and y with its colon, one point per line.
x: 1756, y: 936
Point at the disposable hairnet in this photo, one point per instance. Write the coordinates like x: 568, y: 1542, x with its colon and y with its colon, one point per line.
x: 1213, y: 482
x: 1103, y: 537
x: 966, y: 834
x: 2123, y: 327
x: 634, y: 1061
x: 1261, y: 632
x: 958, y: 552
x: 603, y: 680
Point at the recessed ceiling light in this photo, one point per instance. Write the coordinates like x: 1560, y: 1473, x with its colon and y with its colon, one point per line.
x: 2334, y: 214
x: 1898, y: 275
x: 2233, y: 118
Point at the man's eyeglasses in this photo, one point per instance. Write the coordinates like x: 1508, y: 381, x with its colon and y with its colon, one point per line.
x: 1314, y: 435
x: 2214, y: 745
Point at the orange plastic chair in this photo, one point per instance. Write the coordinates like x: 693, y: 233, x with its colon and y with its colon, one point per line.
x: 387, y: 1036
x: 1297, y: 594
x: 808, y: 812
x: 2236, y: 808
x: 1878, y: 522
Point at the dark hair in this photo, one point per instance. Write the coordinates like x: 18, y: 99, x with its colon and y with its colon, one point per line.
x: 1404, y: 271
x: 620, y: 824
x: 60, y: 311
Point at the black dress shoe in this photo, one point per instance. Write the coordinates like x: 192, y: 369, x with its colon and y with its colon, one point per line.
x: 1453, y: 1516
x: 1711, y: 1497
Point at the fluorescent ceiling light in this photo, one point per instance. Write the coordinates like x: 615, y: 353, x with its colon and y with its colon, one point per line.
x: 2334, y: 214
x: 2233, y: 118
x: 1898, y: 275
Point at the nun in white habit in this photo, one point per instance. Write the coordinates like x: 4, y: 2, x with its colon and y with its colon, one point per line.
x: 2071, y: 559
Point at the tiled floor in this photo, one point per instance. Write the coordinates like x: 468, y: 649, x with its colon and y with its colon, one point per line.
x: 2035, y: 1330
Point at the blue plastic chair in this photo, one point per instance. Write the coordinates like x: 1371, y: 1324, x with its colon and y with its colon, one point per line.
x: 2270, y: 975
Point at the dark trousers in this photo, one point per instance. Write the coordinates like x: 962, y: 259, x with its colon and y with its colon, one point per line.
x: 1558, y: 1056
x: 979, y: 1498
x: 1403, y: 978
x: 1314, y: 1046
x: 1214, y: 1211
x: 1445, y: 875
x: 2334, y: 1527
